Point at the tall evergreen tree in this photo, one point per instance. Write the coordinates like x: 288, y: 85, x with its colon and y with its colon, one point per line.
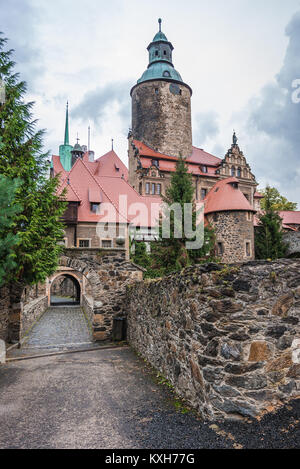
x: 38, y: 225
x: 8, y: 240
x: 269, y: 242
x: 171, y: 254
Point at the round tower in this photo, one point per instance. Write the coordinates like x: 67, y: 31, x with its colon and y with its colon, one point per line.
x: 161, y: 103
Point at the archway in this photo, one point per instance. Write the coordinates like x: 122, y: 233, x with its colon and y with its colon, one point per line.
x: 65, y: 290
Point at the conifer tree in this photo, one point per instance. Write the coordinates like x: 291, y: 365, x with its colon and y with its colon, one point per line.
x: 269, y: 242
x: 8, y: 240
x: 171, y: 254
x: 38, y: 225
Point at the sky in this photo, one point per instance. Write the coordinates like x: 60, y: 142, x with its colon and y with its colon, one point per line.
x: 240, y: 57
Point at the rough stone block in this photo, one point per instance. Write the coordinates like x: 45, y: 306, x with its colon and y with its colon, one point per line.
x: 259, y: 352
x: 2, y: 352
x: 283, y: 304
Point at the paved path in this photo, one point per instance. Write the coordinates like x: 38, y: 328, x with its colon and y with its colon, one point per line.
x: 108, y: 399
x: 59, y: 327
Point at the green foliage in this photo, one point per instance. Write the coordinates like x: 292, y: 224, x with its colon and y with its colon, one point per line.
x: 140, y: 256
x: 38, y: 225
x: 269, y: 242
x: 170, y: 254
x: 277, y: 201
x: 8, y: 240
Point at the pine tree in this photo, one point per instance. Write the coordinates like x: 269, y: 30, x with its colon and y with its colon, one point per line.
x: 171, y: 254
x: 38, y: 225
x: 269, y: 242
x: 8, y: 240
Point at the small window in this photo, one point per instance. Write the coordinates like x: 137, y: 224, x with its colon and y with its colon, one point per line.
x: 156, y: 90
x: 220, y: 249
x: 155, y: 163
x: 153, y: 189
x: 147, y: 188
x: 232, y: 171
x: 165, y: 52
x: 239, y: 173
x: 248, y: 249
x: 204, y: 169
x: 166, y: 74
x: 203, y: 193
x: 84, y: 243
x: 95, y: 208
x: 158, y: 189
x: 141, y: 188
x: 215, y: 217
x: 106, y: 243
x: 156, y: 53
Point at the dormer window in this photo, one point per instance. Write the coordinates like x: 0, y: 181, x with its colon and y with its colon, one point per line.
x: 166, y: 74
x: 155, y: 163
x: 204, y: 169
x: 95, y: 208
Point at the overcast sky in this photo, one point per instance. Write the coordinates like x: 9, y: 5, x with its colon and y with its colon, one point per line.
x: 240, y: 57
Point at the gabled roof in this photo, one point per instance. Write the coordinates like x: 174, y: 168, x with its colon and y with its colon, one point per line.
x: 199, y: 156
x: 225, y: 197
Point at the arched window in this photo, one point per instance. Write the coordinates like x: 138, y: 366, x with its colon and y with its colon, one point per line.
x: 233, y: 171
x: 239, y: 172
x: 166, y: 74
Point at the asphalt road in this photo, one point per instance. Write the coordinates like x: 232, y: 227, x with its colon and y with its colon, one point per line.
x: 109, y: 399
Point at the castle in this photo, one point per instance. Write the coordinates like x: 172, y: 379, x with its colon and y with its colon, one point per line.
x: 161, y: 132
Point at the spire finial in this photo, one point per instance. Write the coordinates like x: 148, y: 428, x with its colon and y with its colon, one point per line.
x: 159, y: 22
x: 112, y: 144
x: 67, y: 125
x: 77, y: 138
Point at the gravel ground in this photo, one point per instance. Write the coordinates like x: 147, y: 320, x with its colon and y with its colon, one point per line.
x: 109, y: 399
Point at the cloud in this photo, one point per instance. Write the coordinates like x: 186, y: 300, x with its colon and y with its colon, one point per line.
x: 98, y: 104
x: 273, y: 123
x: 18, y: 22
x: 205, y: 127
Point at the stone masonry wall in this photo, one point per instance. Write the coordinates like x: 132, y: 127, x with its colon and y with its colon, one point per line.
x: 161, y: 119
x: 293, y: 238
x: 31, y: 312
x: 227, y: 338
x: 4, y: 312
x: 233, y: 230
x: 108, y: 273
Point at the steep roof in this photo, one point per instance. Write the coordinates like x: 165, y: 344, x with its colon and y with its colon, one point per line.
x: 225, y: 197
x: 104, y: 181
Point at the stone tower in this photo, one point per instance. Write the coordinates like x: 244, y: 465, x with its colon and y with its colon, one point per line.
x: 161, y: 103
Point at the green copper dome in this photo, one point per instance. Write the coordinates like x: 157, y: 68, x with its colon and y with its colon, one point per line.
x: 160, y: 60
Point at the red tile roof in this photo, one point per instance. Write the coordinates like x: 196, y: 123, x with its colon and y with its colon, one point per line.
x: 224, y: 197
x: 198, y: 157
x: 100, y: 181
x: 290, y: 218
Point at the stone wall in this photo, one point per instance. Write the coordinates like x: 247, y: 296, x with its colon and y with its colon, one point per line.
x: 108, y: 273
x: 4, y: 312
x: 227, y: 338
x: 233, y: 229
x: 293, y: 238
x: 31, y: 312
x: 162, y: 119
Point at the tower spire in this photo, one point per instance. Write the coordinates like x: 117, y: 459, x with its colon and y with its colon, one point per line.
x: 67, y: 125
x: 159, y: 22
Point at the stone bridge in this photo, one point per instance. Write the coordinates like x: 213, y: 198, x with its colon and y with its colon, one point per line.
x: 101, y: 276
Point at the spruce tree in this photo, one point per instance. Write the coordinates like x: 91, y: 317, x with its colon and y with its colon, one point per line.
x: 269, y: 242
x: 38, y: 226
x: 171, y: 254
x: 8, y: 240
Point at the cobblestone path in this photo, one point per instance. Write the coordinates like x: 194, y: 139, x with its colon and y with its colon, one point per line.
x: 60, y: 327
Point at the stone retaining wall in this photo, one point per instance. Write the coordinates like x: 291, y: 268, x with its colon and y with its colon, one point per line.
x: 293, y: 239
x: 4, y: 312
x: 32, y: 311
x: 227, y: 338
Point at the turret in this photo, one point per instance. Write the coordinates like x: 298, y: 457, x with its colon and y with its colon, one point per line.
x: 161, y: 103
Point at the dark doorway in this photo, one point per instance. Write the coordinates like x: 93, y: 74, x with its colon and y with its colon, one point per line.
x: 65, y: 290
